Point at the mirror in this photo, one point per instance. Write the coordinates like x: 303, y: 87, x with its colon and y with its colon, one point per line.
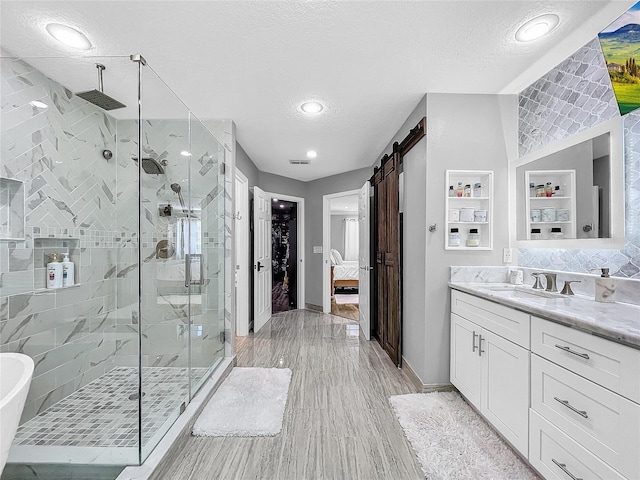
x: 570, y: 194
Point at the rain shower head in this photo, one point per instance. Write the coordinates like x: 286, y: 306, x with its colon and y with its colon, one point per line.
x: 98, y: 97
x: 151, y: 165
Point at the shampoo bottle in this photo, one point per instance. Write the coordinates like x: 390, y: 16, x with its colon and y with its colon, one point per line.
x: 68, y: 279
x: 54, y: 272
x: 605, y: 287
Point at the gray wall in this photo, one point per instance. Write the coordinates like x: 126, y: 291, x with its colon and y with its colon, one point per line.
x: 316, y: 189
x: 246, y: 166
x: 463, y: 132
x: 312, y: 192
x: 278, y: 184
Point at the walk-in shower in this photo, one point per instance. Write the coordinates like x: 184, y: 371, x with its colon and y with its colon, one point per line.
x: 120, y: 354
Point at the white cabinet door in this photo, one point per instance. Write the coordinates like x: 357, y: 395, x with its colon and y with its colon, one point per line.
x: 505, y: 388
x: 466, y: 365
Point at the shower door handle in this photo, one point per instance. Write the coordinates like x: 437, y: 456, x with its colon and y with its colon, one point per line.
x: 189, y: 257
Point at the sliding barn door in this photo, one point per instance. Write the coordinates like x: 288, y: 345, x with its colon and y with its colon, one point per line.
x: 387, y: 192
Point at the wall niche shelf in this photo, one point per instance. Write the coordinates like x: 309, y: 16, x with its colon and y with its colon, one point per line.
x: 42, y: 249
x: 483, y: 201
x: 566, y: 181
x: 12, y: 226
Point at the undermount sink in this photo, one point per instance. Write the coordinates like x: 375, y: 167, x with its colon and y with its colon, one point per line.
x: 16, y: 371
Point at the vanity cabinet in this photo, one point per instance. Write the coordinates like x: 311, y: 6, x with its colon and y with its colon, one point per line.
x: 490, y: 369
x: 569, y: 401
x: 584, y: 391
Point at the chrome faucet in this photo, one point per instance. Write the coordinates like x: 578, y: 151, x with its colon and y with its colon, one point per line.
x: 551, y: 282
x: 537, y: 285
x: 566, y: 290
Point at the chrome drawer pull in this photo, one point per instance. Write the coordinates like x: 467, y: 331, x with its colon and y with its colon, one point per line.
x: 474, y: 341
x: 568, y: 350
x: 563, y: 467
x: 571, y: 407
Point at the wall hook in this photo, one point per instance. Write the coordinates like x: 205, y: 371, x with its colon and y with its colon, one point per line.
x: 433, y: 228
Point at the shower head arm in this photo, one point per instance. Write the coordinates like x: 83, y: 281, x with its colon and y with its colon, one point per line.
x: 101, y: 68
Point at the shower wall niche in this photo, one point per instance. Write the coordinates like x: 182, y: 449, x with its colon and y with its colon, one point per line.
x: 133, y: 322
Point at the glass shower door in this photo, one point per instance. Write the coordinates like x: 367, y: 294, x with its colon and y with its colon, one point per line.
x: 165, y: 224
x: 206, y: 255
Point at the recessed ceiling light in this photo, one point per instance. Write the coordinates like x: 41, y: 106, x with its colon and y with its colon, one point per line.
x: 69, y: 36
x: 312, y: 107
x: 537, y: 27
x: 281, y: 206
x: 38, y: 104
x: 184, y: 153
x: 275, y: 199
x: 312, y: 154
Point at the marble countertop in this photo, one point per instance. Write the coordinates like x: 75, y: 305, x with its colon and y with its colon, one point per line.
x: 619, y: 322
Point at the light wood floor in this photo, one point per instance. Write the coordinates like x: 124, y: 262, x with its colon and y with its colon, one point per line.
x: 338, y: 423
x: 346, y: 310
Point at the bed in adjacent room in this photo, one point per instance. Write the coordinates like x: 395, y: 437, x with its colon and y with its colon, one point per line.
x: 343, y: 273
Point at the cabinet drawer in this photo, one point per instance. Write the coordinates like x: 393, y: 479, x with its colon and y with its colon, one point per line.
x: 603, y: 422
x: 557, y: 457
x: 504, y: 321
x: 607, y: 363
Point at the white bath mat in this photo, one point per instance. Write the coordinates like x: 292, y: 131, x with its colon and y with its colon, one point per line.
x: 452, y: 441
x: 347, y: 299
x: 249, y: 403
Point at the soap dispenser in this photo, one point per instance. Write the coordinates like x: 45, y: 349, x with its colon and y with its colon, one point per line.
x: 605, y: 287
x: 54, y: 272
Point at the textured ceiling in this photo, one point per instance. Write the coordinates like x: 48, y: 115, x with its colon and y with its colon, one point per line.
x: 254, y: 62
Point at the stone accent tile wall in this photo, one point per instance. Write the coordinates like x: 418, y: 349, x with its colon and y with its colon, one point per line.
x: 574, y: 96
x: 70, y: 202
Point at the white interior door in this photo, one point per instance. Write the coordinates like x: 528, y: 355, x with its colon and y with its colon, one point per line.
x: 243, y: 268
x: 261, y: 258
x: 364, y: 260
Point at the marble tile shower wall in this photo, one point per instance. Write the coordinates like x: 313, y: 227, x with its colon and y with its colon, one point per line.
x: 165, y: 306
x: 574, y: 96
x: 70, y: 193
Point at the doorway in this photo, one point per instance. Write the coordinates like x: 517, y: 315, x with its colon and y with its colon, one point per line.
x: 341, y: 247
x: 265, y: 258
x: 284, y: 255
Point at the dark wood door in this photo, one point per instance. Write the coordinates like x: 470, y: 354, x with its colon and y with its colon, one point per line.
x: 387, y: 248
x: 392, y: 260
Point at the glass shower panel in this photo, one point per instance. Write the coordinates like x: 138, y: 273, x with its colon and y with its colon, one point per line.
x: 206, y: 262
x: 164, y: 230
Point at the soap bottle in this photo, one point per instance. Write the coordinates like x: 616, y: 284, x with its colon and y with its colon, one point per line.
x: 54, y: 272
x: 605, y: 287
x: 68, y: 277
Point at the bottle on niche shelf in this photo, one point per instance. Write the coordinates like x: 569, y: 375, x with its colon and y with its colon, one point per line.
x: 68, y: 274
x: 54, y: 272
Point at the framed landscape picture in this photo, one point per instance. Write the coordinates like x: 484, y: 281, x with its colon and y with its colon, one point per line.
x: 620, y: 43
